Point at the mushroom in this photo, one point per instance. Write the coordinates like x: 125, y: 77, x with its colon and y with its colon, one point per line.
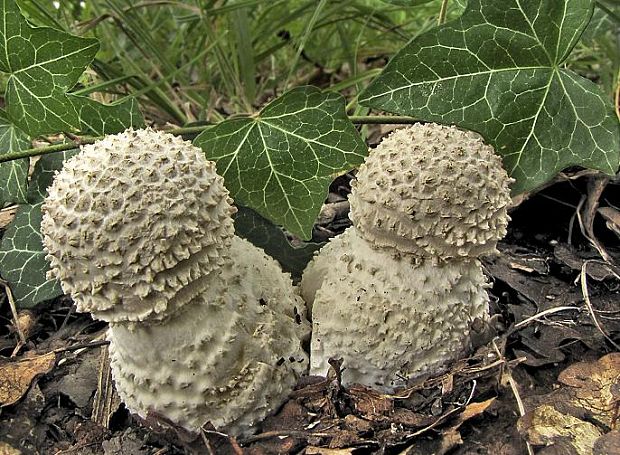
x: 203, y: 326
x: 396, y: 294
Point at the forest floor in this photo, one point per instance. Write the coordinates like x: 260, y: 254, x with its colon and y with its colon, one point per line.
x: 544, y: 378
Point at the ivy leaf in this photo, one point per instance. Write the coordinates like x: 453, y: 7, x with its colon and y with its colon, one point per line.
x: 44, y: 172
x: 43, y: 64
x: 100, y: 119
x: 271, y: 238
x: 281, y: 161
x: 498, y: 70
x: 22, y: 259
x: 13, y: 174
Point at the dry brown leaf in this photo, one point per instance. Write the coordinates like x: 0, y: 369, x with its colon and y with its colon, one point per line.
x: 408, y: 418
x: 369, y: 403
x: 6, y: 216
x: 447, y: 384
x: 16, y: 376
x: 594, y: 386
x: 576, y: 416
x: 546, y: 426
x: 473, y: 410
x: 6, y: 449
x: 450, y: 439
x: 25, y: 323
x: 612, y: 218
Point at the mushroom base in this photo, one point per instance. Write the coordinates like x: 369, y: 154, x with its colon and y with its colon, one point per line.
x: 229, y: 357
x: 390, y: 317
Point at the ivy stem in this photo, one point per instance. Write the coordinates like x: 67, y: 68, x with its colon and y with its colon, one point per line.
x: 442, y: 12
x: 186, y: 131
x: 382, y: 120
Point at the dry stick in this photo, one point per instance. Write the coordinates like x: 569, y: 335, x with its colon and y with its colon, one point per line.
x: 515, y: 392
x: 442, y: 12
x: 232, y: 441
x: 586, y: 296
x: 443, y: 417
x: 280, y: 433
x: 584, y: 231
x: 9, y: 296
x: 77, y: 347
x: 542, y: 314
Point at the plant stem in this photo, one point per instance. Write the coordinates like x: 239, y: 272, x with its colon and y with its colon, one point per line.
x: 382, y: 120
x: 188, y: 131
x: 442, y: 12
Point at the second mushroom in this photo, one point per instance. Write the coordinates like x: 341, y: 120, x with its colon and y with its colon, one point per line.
x: 396, y: 294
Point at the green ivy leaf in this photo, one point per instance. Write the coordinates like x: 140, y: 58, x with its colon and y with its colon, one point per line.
x: 271, y: 238
x: 281, y: 162
x: 13, y: 174
x: 22, y: 260
x: 100, y: 119
x: 498, y: 70
x: 44, y: 172
x: 43, y: 64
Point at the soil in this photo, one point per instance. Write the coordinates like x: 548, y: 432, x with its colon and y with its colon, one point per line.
x: 544, y: 377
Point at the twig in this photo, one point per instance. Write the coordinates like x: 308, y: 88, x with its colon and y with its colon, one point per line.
x: 586, y: 296
x: 279, y: 433
x: 515, y: 392
x: 442, y: 12
x: 587, y: 233
x: 78, y: 346
x: 9, y: 296
x: 542, y: 314
x: 232, y: 441
x: 444, y: 416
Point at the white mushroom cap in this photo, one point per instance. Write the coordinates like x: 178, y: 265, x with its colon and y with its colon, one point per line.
x: 391, y: 317
x: 434, y: 191
x: 131, y: 220
x: 230, y: 357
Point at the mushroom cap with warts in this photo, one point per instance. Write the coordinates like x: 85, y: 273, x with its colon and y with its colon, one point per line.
x: 431, y: 190
x: 131, y: 220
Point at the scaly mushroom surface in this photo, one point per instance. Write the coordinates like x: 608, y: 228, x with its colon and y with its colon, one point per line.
x: 396, y: 294
x: 434, y: 191
x: 204, y: 327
